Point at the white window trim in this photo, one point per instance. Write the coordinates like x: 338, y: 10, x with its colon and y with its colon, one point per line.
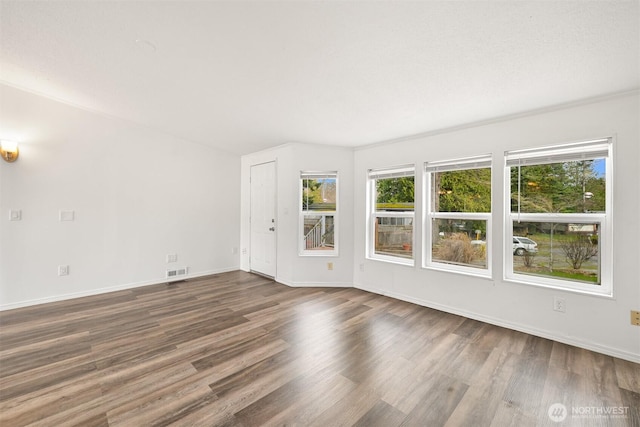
x: 302, y: 250
x: 567, y: 152
x: 478, y: 162
x: 373, y: 215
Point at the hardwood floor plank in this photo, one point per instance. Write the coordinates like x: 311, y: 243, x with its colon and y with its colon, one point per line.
x: 49, y: 376
x: 59, y: 308
x: 508, y: 415
x: 236, y: 349
x: 480, y: 403
x: 40, y: 404
x: 436, y: 408
x: 628, y: 375
x: 59, y: 350
x: 631, y: 403
x: 308, y: 405
x: 536, y: 347
x: 348, y: 410
x: 526, y: 386
x: 250, y: 376
x: 469, y: 329
x: 158, y: 408
x: 381, y: 415
x: 298, y: 401
x: 466, y: 365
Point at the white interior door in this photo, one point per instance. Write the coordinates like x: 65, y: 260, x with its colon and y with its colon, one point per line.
x: 263, y: 219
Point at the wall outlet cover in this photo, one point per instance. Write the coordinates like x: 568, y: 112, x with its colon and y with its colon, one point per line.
x: 635, y: 317
x: 559, y: 304
x: 67, y: 215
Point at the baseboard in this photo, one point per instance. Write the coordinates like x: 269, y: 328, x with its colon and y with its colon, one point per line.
x: 609, y: 351
x: 55, y: 298
x: 314, y: 284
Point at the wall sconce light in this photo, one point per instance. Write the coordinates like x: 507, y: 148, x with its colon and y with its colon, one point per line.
x: 9, y: 150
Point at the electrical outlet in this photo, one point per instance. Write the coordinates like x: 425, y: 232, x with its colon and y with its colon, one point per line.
x: 67, y: 216
x: 329, y: 266
x: 234, y: 251
x: 172, y: 258
x: 361, y: 267
x: 15, y: 215
x: 559, y: 304
x: 244, y: 251
x: 635, y: 317
x: 63, y: 270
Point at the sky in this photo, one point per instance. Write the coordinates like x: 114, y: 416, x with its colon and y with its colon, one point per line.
x: 599, y: 167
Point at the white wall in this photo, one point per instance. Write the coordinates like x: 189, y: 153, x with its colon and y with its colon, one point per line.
x: 597, y: 323
x: 291, y: 268
x: 137, y: 194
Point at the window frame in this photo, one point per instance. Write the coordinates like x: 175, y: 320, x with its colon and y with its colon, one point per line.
x: 372, y: 214
x: 429, y: 216
x: 585, y: 150
x: 302, y: 250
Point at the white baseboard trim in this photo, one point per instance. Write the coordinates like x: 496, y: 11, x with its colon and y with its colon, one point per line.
x: 314, y: 284
x: 55, y: 298
x: 588, y: 345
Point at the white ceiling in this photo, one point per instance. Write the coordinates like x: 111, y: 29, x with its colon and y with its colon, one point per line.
x: 243, y: 76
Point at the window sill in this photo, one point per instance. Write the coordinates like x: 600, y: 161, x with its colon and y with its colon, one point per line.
x: 524, y: 280
x: 473, y: 272
x: 393, y: 260
x: 321, y: 253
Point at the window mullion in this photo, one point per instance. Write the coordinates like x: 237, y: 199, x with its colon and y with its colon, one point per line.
x: 557, y: 217
x: 460, y: 215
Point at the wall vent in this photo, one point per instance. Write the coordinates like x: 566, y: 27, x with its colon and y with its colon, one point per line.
x: 177, y: 272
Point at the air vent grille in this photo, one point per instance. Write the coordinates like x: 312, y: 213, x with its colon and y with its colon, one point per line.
x: 177, y: 272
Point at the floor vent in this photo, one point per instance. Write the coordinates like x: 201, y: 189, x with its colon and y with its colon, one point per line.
x: 177, y: 272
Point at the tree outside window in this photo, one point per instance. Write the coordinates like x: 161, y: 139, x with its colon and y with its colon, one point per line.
x: 459, y: 215
x: 559, y: 198
x: 392, y: 195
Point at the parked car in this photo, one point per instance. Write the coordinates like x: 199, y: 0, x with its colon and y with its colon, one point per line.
x: 522, y: 245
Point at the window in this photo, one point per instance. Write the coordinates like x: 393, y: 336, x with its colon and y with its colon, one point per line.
x: 458, y: 215
x: 391, y: 214
x: 558, y: 230
x: 318, y: 213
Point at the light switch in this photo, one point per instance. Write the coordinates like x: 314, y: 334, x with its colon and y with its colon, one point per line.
x: 15, y: 215
x: 67, y: 215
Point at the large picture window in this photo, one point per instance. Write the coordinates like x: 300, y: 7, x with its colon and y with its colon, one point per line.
x: 558, y: 203
x: 458, y: 215
x: 391, y: 214
x: 318, y: 213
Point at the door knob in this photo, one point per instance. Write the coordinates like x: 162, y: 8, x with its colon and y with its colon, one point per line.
x: 272, y: 229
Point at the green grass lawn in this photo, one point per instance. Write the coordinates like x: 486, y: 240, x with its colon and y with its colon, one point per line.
x: 571, y: 276
x: 561, y: 267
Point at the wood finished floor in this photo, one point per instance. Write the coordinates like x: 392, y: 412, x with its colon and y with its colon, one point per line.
x: 239, y: 350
